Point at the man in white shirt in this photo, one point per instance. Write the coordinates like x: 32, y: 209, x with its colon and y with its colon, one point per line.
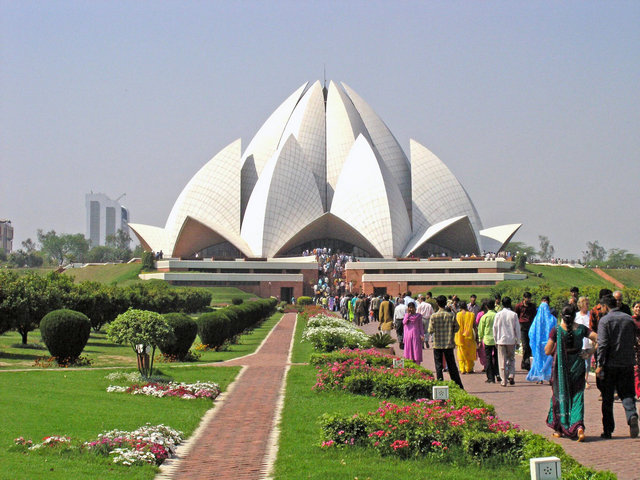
x: 506, y: 333
x: 426, y: 310
x: 398, y: 316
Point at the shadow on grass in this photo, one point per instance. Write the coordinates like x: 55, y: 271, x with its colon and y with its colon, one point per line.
x: 19, y: 356
x: 101, y: 344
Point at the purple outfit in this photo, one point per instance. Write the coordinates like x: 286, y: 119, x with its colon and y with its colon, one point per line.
x: 413, y: 330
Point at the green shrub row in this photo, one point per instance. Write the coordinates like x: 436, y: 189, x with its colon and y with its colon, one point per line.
x: 26, y: 299
x: 215, y: 328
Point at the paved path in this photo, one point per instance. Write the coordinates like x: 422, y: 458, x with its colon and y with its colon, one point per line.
x: 238, y: 436
x: 608, y: 277
x: 527, y: 404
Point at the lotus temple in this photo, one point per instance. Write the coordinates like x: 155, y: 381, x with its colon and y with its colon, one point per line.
x: 325, y: 171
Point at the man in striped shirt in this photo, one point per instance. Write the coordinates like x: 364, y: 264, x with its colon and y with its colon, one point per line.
x: 443, y: 327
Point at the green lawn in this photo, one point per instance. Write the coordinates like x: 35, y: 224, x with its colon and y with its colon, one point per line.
x: 40, y: 403
x: 224, y: 295
x: 120, y: 273
x: 629, y: 278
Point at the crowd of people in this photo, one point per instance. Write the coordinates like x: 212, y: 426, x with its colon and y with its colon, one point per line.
x: 560, y: 348
x: 331, y: 274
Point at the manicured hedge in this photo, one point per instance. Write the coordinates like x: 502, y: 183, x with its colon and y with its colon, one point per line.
x: 304, y: 301
x: 185, y: 331
x: 65, y: 332
x: 215, y: 328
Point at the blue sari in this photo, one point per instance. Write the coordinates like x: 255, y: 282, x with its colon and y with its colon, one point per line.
x: 566, y: 409
x: 538, y: 336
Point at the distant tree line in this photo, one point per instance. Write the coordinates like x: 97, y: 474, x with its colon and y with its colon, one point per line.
x: 52, y: 248
x: 594, y: 255
x: 26, y: 299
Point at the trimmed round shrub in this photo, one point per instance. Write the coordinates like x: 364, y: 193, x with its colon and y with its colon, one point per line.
x: 237, y: 301
x: 212, y: 328
x: 304, y: 301
x: 184, y: 329
x: 65, y: 332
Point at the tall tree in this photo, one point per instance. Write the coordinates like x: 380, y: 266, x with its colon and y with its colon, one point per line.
x: 546, y: 249
x: 594, y: 252
x: 65, y: 247
x: 29, y: 246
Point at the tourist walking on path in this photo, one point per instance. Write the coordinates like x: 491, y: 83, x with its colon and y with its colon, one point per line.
x: 482, y: 357
x: 398, y: 316
x: 582, y: 318
x: 566, y: 411
x: 506, y: 333
x: 386, y: 315
x: 616, y: 359
x: 425, y: 309
x: 485, y: 335
x: 465, y: 338
x: 413, y: 334
x: 636, y: 319
x: 538, y: 338
x: 526, y: 311
x: 443, y: 327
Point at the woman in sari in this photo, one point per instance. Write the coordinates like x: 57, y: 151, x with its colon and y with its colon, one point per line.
x: 539, y: 331
x: 465, y: 338
x: 636, y: 369
x: 413, y: 334
x: 566, y: 413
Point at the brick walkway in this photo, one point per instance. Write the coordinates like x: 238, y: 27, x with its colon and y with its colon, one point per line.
x: 237, y: 438
x: 527, y: 404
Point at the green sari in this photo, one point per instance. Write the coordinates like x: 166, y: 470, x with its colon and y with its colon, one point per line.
x: 566, y: 412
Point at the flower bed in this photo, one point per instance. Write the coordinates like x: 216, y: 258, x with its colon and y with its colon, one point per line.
x: 425, y: 427
x: 370, y: 355
x: 148, y: 444
x: 322, y: 320
x: 187, y: 391
x: 327, y: 334
x: 367, y: 372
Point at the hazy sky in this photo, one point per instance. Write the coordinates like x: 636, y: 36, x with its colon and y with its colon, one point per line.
x: 534, y: 106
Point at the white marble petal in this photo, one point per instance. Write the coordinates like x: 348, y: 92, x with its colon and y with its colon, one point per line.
x: 388, y: 148
x: 437, y: 193
x: 368, y: 201
x: 284, y: 200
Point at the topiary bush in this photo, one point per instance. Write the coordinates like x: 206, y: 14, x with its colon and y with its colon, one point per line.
x: 65, y: 332
x: 184, y: 329
x: 304, y: 301
x: 237, y: 301
x: 212, y: 328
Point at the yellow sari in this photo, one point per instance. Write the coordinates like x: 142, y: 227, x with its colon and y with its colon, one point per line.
x: 465, y: 341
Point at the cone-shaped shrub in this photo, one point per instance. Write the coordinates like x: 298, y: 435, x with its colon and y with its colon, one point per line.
x: 65, y: 332
x: 212, y: 328
x: 184, y: 329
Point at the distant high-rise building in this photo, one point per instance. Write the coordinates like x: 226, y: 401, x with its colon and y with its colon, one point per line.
x: 6, y: 235
x: 104, y: 218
